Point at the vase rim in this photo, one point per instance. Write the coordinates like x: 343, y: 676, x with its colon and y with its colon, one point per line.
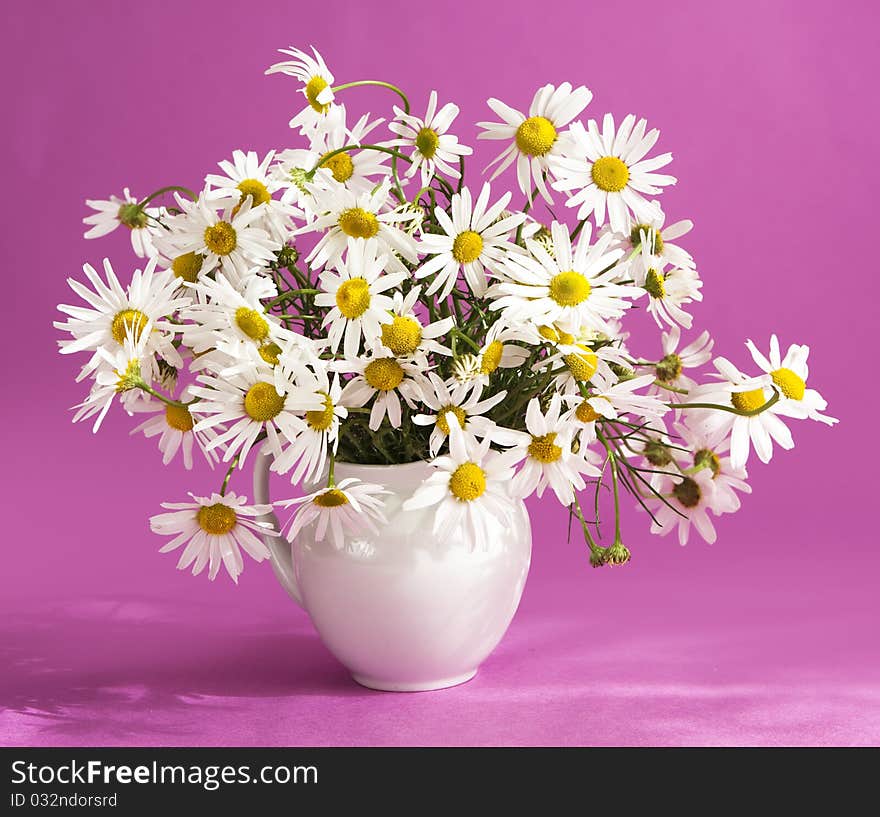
x: 372, y: 466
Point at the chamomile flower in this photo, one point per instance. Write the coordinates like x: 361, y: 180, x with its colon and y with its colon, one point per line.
x: 384, y: 379
x: 460, y: 399
x: 433, y: 148
x: 317, y: 81
x: 571, y: 287
x: 142, y: 309
x: 348, y: 506
x: 405, y: 335
x: 500, y: 351
x: 110, y: 213
x: 535, y: 140
x: 611, y: 173
x: 224, y: 234
x: 249, y: 403
x: 469, y: 489
x: 547, y: 455
x: 174, y: 425
x: 789, y: 375
x: 608, y: 400
x: 581, y: 354
x: 355, y: 294
x: 691, y: 498
x: 745, y: 394
x: 658, y: 239
x: 474, y: 239
x: 346, y: 215
x: 667, y: 290
x: 670, y: 368
x: 215, y: 529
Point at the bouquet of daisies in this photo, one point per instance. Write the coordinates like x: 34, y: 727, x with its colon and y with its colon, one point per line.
x: 354, y: 298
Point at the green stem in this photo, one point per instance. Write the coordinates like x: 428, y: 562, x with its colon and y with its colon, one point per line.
x: 663, y: 385
x: 171, y: 187
x: 163, y: 397
x: 233, y: 465
x: 612, y: 459
x: 732, y: 409
x: 363, y: 82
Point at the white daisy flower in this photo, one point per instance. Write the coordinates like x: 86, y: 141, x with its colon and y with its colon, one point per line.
x: 610, y: 172
x: 745, y: 394
x: 347, y: 215
x: 535, y: 140
x: 250, y: 404
x: 142, y: 308
x: 475, y: 239
x: 670, y: 368
x: 112, y: 212
x: 573, y: 288
x: 173, y: 424
x: 547, y: 455
x: 215, y: 529
x: 658, y: 239
x: 355, y: 294
x: 468, y: 368
x: 433, y: 147
x: 691, y: 498
x: 348, y: 506
x: 223, y: 233
x: 499, y: 350
x: 789, y: 375
x: 469, y: 489
x: 460, y: 399
x: 405, y: 335
x: 667, y: 290
x: 317, y: 81
x: 575, y: 353
x: 386, y: 379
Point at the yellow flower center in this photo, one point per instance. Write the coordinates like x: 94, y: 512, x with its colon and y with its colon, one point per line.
x: 569, y: 288
x: 582, y: 365
x: 331, y: 499
x: 687, y: 492
x: 748, y: 400
x: 314, y: 87
x: 403, y: 335
x: 586, y: 413
x: 655, y: 284
x: 635, y: 237
x: 128, y: 321
x: 790, y: 384
x: 270, y: 352
x: 384, y: 374
x: 178, y: 417
x: 216, y: 519
x: 610, y: 174
x: 321, y: 420
x: 341, y: 166
x: 254, y: 188
x: 252, y: 323
x: 443, y: 422
x: 535, y: 136
x: 467, y: 247
x: 262, y: 402
x: 187, y: 266
x: 544, y: 448
x: 549, y: 333
x: 490, y: 360
x: 427, y: 141
x: 353, y: 297
x: 468, y: 482
x: 220, y: 238
x: 358, y: 223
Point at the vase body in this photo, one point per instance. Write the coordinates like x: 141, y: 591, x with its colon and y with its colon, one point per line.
x: 401, y: 608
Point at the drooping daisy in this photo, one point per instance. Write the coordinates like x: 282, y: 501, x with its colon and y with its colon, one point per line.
x: 745, y: 394
x: 215, y: 529
x: 475, y: 239
x: 142, y: 308
x: 347, y: 215
x: 789, y: 375
x: 355, y: 294
x: 348, y: 506
x: 405, y: 335
x: 670, y: 368
x: 610, y: 172
x: 317, y: 81
x: 386, y: 379
x: 658, y: 239
x: 173, y: 424
x: 547, y: 455
x: 469, y: 488
x: 433, y: 148
x: 667, y: 290
x: 249, y: 404
x: 224, y: 234
x: 535, y: 140
x: 460, y: 399
x: 112, y: 212
x: 691, y: 498
x: 573, y: 288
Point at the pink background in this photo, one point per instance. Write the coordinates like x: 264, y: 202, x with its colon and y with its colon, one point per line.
x: 769, y: 636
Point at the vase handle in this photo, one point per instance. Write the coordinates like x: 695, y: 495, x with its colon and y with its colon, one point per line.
x: 279, y: 548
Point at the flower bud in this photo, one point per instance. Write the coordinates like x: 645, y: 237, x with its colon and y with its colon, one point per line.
x: 617, y: 554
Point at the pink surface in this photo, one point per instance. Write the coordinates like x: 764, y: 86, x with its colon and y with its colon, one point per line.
x: 767, y: 637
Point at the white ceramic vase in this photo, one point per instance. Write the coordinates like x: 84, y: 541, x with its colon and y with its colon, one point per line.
x: 404, y: 610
